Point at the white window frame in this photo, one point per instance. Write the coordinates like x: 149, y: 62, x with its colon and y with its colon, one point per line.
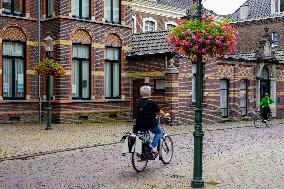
x: 244, y: 97
x: 273, y: 6
x: 226, y: 107
x: 134, y: 27
x: 169, y: 23
x: 272, y: 36
x: 151, y: 20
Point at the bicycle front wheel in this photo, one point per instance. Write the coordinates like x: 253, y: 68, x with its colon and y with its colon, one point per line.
x: 257, y: 120
x: 167, y: 150
x: 139, y: 162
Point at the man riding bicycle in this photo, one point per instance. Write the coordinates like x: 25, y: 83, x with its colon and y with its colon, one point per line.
x: 264, y: 104
x: 146, y: 111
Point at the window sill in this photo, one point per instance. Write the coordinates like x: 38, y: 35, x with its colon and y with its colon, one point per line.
x: 14, y: 16
x: 4, y: 101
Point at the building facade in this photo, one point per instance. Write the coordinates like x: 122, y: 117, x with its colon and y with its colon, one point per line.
x: 90, y: 41
x: 109, y: 48
x: 234, y: 85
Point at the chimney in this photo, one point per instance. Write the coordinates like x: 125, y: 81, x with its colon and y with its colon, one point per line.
x: 244, y: 11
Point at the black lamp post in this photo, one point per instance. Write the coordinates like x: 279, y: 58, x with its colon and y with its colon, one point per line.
x: 49, y: 48
x: 197, y: 181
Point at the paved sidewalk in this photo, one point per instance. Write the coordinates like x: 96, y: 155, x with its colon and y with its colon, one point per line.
x: 237, y: 158
x: 21, y: 140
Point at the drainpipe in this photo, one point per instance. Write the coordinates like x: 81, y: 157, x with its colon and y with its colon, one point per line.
x: 39, y: 58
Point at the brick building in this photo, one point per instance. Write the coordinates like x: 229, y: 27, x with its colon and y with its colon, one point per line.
x: 90, y: 41
x: 110, y: 47
x: 231, y: 87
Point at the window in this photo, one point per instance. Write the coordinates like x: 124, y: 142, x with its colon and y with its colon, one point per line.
x: 112, y: 11
x: 80, y: 71
x: 112, y: 72
x: 193, y: 82
x: 275, y: 39
x: 279, y: 6
x: 81, y: 9
x: 224, y: 97
x: 149, y: 26
x: 170, y: 26
x: 13, y: 7
x: 13, y: 70
x: 133, y: 23
x: 159, y: 86
x: 49, y: 8
x: 243, y: 97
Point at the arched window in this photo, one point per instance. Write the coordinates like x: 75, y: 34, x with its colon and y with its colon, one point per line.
x: 112, y: 67
x: 264, y: 73
x: 13, y: 62
x: 81, y: 66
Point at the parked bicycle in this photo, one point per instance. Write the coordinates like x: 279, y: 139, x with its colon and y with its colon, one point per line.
x: 258, y: 120
x: 140, y: 160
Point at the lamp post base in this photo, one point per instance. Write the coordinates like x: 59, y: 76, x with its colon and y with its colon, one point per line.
x: 195, y: 183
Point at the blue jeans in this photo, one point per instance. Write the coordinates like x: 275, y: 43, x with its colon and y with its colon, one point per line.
x: 157, y: 135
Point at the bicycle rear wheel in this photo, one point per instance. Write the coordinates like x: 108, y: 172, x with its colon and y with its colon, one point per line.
x: 268, y: 123
x: 139, y: 162
x: 167, y: 150
x: 257, y: 120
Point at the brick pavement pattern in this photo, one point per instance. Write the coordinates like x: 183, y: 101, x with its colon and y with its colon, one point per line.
x: 235, y: 157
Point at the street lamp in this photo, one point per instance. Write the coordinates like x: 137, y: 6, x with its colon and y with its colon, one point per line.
x: 197, y: 181
x: 49, y: 48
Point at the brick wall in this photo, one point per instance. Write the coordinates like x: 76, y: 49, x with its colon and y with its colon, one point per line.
x: 61, y: 27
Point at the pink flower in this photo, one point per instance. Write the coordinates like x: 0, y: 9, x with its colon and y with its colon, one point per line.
x: 174, y: 47
x: 218, y: 42
x: 203, y: 17
x: 187, y: 43
x: 189, y: 31
x: 204, y: 51
x: 56, y: 74
x: 200, y: 40
x: 207, y: 42
x: 203, y: 31
x: 210, y: 37
x: 193, y: 37
x: 195, y: 47
x: 183, y: 33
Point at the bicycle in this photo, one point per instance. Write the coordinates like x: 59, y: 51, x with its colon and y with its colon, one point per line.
x: 165, y: 149
x: 258, y: 121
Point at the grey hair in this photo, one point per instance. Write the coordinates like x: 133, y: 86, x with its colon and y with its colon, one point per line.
x: 145, y: 90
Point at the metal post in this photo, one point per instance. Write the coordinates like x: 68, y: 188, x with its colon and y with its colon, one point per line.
x: 39, y: 78
x: 197, y: 181
x: 48, y: 126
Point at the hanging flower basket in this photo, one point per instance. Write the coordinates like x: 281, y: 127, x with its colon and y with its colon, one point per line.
x: 49, y: 67
x: 206, y: 36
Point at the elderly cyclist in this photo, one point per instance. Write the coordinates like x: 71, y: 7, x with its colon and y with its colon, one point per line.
x: 146, y: 111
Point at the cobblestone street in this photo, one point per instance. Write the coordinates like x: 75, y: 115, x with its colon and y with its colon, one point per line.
x: 234, y: 157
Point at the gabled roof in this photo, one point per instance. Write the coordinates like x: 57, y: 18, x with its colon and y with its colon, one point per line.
x: 149, y: 43
x: 257, y: 9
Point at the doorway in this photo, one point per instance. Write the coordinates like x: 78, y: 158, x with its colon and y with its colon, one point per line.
x: 264, y: 82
